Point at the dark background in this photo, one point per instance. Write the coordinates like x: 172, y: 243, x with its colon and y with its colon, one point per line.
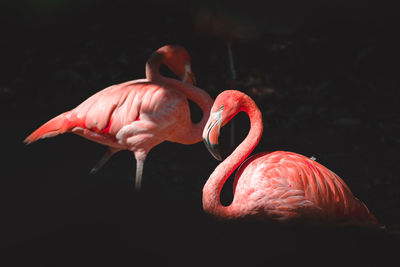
x: 324, y: 73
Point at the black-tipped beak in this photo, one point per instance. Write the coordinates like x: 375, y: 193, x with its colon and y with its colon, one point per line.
x: 213, y: 149
x: 192, y: 78
x: 189, y: 77
x: 210, y: 138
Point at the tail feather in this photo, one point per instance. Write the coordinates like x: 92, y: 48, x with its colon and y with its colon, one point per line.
x: 53, y: 127
x: 365, y: 215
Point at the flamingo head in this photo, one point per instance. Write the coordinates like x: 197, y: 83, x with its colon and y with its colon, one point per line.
x: 177, y: 59
x: 225, y: 107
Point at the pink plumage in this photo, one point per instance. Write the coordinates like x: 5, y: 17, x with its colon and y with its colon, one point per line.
x: 280, y: 185
x: 140, y: 114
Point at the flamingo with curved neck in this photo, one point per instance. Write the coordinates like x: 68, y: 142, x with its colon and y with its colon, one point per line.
x: 278, y: 185
x: 140, y: 114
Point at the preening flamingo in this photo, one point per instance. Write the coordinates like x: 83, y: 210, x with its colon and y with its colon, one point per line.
x: 138, y: 115
x: 278, y: 185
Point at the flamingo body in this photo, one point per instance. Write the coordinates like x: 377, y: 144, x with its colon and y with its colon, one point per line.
x: 278, y: 185
x: 135, y: 115
x: 284, y: 185
x: 140, y: 114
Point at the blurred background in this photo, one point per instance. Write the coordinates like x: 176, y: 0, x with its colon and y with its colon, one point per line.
x: 324, y: 74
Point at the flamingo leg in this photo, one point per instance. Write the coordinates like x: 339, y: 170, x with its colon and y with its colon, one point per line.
x: 110, y: 151
x: 139, y: 172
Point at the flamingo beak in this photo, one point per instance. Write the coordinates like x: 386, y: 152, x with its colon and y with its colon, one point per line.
x: 192, y: 78
x: 189, y: 76
x: 211, y: 133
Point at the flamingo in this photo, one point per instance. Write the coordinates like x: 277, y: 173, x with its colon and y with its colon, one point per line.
x: 138, y: 115
x: 277, y: 186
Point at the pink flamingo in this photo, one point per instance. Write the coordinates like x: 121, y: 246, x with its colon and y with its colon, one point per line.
x: 278, y: 185
x: 138, y: 115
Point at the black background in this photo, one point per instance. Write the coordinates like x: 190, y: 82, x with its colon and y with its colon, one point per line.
x: 324, y: 74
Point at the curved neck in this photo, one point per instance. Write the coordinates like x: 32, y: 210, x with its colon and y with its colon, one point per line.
x: 212, y: 189
x: 197, y: 95
x: 200, y: 98
x: 153, y: 66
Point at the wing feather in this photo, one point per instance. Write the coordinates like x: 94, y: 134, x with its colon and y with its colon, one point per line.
x: 285, y: 180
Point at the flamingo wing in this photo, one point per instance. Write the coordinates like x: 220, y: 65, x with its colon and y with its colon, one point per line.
x: 104, y: 114
x: 287, y: 185
x: 264, y: 189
